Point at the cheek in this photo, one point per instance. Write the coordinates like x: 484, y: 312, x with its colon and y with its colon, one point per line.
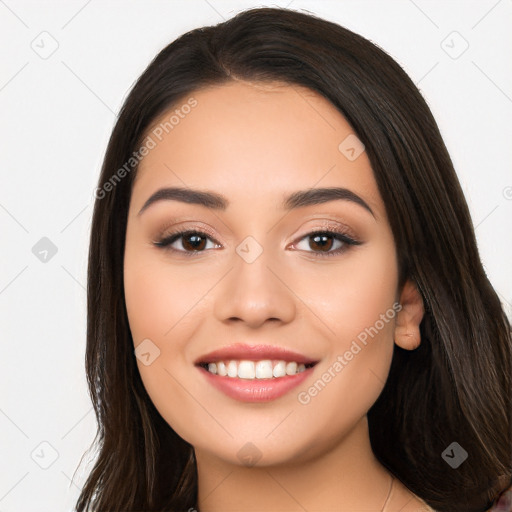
x: 350, y: 299
x: 360, y: 310
x: 163, y: 307
x: 161, y: 297
x: 365, y: 301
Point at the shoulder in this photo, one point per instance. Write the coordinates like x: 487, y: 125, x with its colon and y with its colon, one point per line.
x: 503, y: 502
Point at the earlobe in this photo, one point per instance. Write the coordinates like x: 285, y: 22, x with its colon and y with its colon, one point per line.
x: 407, y: 326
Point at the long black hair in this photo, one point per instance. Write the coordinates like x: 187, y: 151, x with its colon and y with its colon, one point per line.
x: 456, y: 387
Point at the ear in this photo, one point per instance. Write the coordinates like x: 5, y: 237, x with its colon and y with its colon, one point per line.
x: 407, y: 325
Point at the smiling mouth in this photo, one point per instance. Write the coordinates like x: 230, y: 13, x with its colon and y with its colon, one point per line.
x: 251, y: 370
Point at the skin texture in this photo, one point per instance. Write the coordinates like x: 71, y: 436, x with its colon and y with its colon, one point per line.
x: 255, y: 144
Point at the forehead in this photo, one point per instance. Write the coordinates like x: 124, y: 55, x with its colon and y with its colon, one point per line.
x: 255, y: 140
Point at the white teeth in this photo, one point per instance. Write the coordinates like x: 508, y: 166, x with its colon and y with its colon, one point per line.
x: 246, y: 370
x: 221, y: 369
x: 291, y: 368
x: 265, y: 369
x: 232, y: 369
x: 279, y: 369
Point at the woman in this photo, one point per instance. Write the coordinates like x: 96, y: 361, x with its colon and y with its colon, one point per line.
x: 285, y: 293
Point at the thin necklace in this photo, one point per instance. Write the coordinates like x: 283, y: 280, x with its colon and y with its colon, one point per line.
x: 389, y: 493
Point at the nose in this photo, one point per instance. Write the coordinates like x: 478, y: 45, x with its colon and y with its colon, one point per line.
x: 255, y: 293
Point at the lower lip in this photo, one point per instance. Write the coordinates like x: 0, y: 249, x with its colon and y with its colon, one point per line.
x: 256, y: 390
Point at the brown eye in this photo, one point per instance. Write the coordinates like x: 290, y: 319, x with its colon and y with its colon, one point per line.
x: 191, y: 241
x: 194, y: 242
x: 322, y: 242
x: 327, y: 243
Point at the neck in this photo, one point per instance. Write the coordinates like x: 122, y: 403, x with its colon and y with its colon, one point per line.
x: 346, y: 477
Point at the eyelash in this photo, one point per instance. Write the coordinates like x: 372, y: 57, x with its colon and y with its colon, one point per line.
x: 166, y: 241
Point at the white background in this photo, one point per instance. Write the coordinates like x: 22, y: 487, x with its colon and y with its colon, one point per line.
x: 56, y: 115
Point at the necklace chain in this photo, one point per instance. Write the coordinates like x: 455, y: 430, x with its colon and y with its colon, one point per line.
x: 389, y: 493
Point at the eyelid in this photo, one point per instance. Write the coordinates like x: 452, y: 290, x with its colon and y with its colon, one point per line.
x: 170, y: 229
x: 330, y: 225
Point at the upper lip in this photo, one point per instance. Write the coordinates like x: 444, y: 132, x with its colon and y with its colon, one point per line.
x: 240, y: 351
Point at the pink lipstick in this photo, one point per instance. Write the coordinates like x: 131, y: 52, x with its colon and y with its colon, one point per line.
x: 255, y: 373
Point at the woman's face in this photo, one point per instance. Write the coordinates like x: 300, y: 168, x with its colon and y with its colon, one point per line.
x: 253, y: 278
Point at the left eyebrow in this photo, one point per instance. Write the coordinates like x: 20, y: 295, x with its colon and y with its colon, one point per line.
x: 313, y: 196
x: 298, y: 199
